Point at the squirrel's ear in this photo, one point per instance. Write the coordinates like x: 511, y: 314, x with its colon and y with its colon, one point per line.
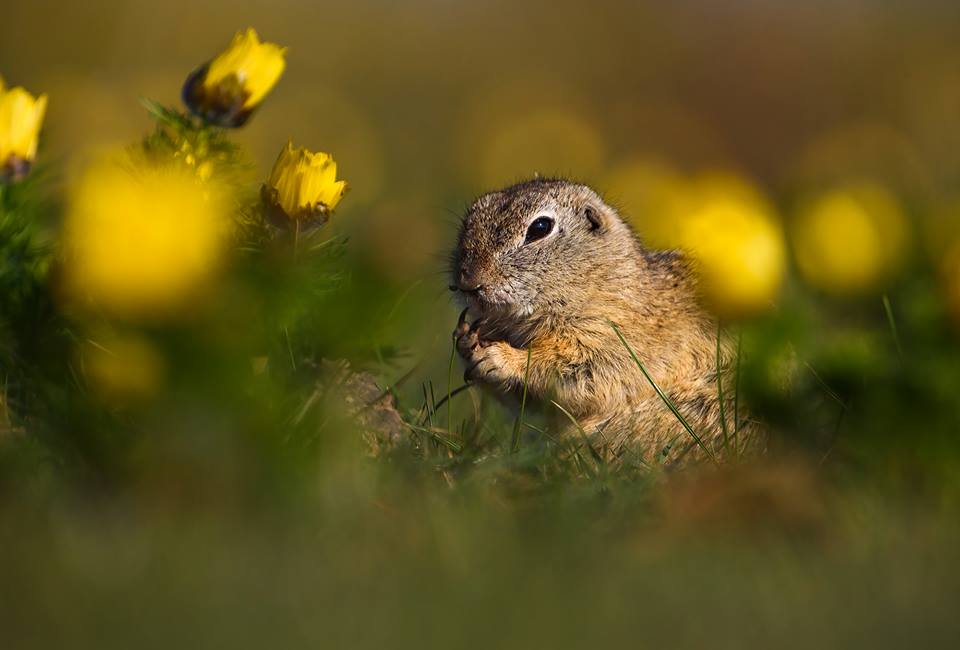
x: 595, y: 217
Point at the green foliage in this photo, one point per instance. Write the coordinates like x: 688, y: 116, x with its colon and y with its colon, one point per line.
x: 25, y: 252
x: 268, y: 396
x: 246, y: 378
x: 29, y: 325
x: 181, y: 137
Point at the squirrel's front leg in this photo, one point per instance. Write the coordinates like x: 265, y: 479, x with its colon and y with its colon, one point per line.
x: 493, y: 362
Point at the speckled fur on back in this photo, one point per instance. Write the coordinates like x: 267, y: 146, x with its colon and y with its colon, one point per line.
x: 557, y: 296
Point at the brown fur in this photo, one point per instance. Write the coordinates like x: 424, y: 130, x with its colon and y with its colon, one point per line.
x: 557, y: 297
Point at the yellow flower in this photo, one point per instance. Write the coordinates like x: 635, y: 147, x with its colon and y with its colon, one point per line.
x: 736, y: 244
x: 654, y: 198
x: 256, y: 66
x: 143, y: 241
x: 720, y: 220
x: 228, y: 89
x: 21, y: 116
x: 303, y: 185
x: 849, y: 240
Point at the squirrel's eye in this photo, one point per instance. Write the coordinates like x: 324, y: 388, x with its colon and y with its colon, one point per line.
x: 540, y: 228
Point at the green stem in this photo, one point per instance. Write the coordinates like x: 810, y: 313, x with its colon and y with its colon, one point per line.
x: 296, y: 238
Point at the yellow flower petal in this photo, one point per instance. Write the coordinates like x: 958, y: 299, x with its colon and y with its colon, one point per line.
x: 721, y: 221
x: 254, y: 65
x: 21, y: 117
x: 737, y: 247
x: 849, y: 240
x: 305, y: 181
x: 144, y: 242
x: 337, y: 190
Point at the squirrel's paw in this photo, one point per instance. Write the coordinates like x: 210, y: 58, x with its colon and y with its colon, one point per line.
x: 487, y: 361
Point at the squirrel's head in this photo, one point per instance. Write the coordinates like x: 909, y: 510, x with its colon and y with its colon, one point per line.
x: 537, y: 246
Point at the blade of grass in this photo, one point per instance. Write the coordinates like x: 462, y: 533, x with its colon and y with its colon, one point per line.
x: 515, y: 439
x: 534, y: 427
x: 723, y: 408
x: 581, y: 465
x: 835, y: 437
x: 891, y: 319
x: 663, y: 396
x: 286, y: 336
x: 736, y: 399
x: 583, y: 434
x: 443, y: 400
x: 641, y: 460
x: 392, y: 387
x: 307, y: 405
x: 426, y: 405
x: 664, y: 453
x: 451, y: 444
x: 453, y: 353
x: 826, y: 387
x: 399, y: 301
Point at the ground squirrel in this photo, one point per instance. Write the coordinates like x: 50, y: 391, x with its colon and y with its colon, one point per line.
x: 547, y: 267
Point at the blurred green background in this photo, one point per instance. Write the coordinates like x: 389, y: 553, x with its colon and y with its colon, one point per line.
x: 219, y: 513
x: 426, y: 104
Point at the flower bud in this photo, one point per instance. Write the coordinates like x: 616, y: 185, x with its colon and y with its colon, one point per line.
x: 303, y: 187
x: 227, y: 90
x: 21, y: 116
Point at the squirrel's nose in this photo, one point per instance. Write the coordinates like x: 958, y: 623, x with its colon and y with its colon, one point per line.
x: 468, y: 283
